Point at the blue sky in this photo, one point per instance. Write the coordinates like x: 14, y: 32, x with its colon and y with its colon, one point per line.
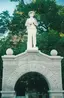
x: 7, y: 5
x: 10, y: 6
x: 60, y: 2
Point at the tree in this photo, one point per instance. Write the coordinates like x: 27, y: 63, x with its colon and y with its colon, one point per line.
x: 46, y: 14
x: 61, y: 13
x: 22, y: 1
x: 4, y: 21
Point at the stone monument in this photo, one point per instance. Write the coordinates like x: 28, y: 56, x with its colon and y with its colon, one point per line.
x: 32, y: 60
x: 31, y: 24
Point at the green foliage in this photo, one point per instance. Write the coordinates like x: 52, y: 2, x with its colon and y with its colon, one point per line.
x: 17, y: 25
x: 22, y: 1
x: 42, y: 42
x: 47, y: 13
x: 20, y: 47
x: 14, y: 0
x: 61, y: 13
x: 17, y: 46
x: 53, y: 38
x: 46, y: 41
x: 4, y: 21
x: 4, y: 44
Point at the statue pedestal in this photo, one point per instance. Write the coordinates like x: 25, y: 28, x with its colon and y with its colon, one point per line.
x: 32, y: 49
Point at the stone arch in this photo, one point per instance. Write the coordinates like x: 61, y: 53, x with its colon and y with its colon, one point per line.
x: 31, y: 68
x: 43, y: 89
x: 38, y: 73
x: 31, y: 61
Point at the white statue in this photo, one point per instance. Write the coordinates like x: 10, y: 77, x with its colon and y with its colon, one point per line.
x: 31, y: 24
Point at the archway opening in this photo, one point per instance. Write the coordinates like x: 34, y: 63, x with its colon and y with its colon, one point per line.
x: 32, y: 85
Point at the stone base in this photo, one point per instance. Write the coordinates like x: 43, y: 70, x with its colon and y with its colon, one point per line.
x: 8, y: 94
x: 32, y: 49
x: 56, y: 94
x: 52, y: 94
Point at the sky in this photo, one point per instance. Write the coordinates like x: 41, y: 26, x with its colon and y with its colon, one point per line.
x: 60, y: 2
x: 10, y: 6
x: 7, y: 5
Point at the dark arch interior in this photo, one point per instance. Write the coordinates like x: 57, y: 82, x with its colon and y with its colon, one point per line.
x: 31, y: 82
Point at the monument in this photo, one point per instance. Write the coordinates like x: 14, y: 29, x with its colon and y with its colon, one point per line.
x: 31, y: 61
x: 31, y: 24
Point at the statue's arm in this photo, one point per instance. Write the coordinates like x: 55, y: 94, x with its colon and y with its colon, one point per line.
x: 27, y: 24
x: 35, y: 22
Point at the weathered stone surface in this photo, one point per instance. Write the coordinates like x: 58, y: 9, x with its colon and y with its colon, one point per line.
x: 32, y: 61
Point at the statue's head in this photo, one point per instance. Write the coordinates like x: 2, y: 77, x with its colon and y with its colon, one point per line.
x: 31, y: 13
